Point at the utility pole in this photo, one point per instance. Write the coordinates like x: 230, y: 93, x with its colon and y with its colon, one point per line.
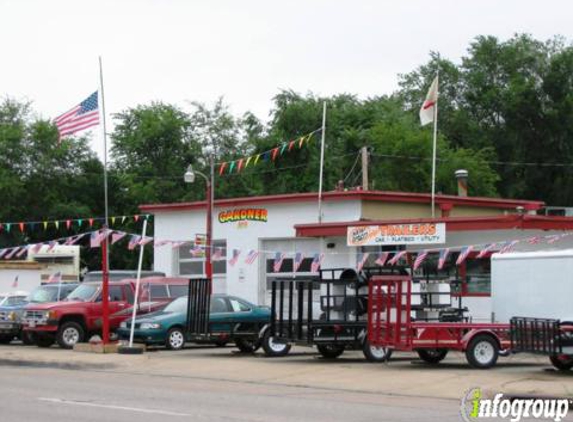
x: 364, y: 168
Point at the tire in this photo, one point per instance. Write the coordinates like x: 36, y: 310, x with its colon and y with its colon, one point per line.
x: 563, y: 362
x: 376, y: 354
x: 273, y: 349
x: 221, y: 343
x: 432, y: 356
x: 69, y: 334
x: 330, y: 351
x: 247, y: 346
x: 6, y: 339
x: 28, y: 338
x: 482, y: 351
x: 175, y: 339
x: 44, y: 341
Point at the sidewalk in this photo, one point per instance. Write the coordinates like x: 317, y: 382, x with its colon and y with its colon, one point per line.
x: 403, y: 375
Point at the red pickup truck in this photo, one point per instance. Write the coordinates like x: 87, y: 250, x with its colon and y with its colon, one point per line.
x: 79, y: 316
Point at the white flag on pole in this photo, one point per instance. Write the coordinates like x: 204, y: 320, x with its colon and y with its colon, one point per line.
x: 428, y: 107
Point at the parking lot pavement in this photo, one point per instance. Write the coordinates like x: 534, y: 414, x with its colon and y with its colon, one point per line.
x: 402, y: 376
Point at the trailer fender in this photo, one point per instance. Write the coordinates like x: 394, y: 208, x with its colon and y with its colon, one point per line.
x: 472, y: 333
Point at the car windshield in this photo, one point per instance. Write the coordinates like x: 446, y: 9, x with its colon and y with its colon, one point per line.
x: 2, y: 299
x: 177, y: 306
x: 83, y: 292
x: 43, y: 294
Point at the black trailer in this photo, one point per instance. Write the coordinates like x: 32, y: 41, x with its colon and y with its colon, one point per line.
x: 246, y: 335
x: 328, y: 311
x: 542, y: 336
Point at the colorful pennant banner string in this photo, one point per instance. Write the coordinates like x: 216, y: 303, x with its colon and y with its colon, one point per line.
x: 271, y: 154
x: 69, y: 223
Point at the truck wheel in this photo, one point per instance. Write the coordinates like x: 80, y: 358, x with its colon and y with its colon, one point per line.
x: 330, y: 351
x: 247, y: 346
x: 69, y: 334
x: 175, y: 339
x: 432, y: 356
x: 562, y: 362
x: 482, y: 351
x: 28, y: 338
x: 44, y: 341
x: 273, y: 348
x: 376, y: 353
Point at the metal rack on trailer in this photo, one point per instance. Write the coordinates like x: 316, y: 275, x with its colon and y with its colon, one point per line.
x: 543, y: 336
x: 328, y: 311
x: 246, y: 335
x: 391, y: 326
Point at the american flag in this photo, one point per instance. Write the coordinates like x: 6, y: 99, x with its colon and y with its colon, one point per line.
x: 176, y: 245
x: 419, y: 259
x: 15, y: 282
x: 508, y: 246
x: 235, y: 257
x: 12, y: 253
x: 37, y: 247
x: 297, y: 261
x: 217, y: 255
x: 144, y: 241
x: 22, y: 251
x: 278, y: 262
x: 51, y: 245
x: 486, y: 250
x: 159, y: 243
x: 3, y: 252
x: 443, y: 258
x: 316, y: 261
x: 464, y: 253
x: 382, y: 258
x: 82, y: 116
x: 95, y: 240
x: 251, y: 256
x: 117, y: 236
x: 55, y: 278
x: 553, y: 238
x: 133, y: 242
x: 197, y: 251
x: 362, y: 261
x: 397, y: 257
x: 534, y: 240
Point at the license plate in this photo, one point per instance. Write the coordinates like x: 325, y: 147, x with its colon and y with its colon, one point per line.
x: 32, y: 324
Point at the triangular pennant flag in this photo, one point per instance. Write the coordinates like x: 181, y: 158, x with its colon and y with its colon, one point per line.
x: 136, y: 217
x: 266, y: 155
x: 68, y: 224
x: 240, y: 165
x: 257, y: 159
x: 112, y: 221
x: 57, y: 224
x: 283, y: 148
x: 32, y: 226
x: 21, y: 227
x: 123, y: 217
x: 222, y: 168
x: 8, y: 227
x: 45, y: 223
x: 274, y: 153
x: 91, y: 220
x: 300, y: 142
x: 248, y: 161
x: 290, y: 145
x: 231, y: 167
x: 1, y: 227
x: 80, y: 222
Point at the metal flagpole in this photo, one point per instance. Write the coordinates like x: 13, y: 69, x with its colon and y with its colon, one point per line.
x: 137, y: 283
x: 105, y: 249
x: 321, y: 161
x: 434, y: 149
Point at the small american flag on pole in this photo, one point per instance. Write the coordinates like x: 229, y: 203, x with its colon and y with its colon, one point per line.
x: 80, y: 117
x: 15, y: 282
x: 278, y: 263
x: 297, y: 262
x: 235, y: 257
x: 419, y: 259
x: 397, y: 257
x: 55, y: 278
x: 486, y: 250
x: 443, y: 258
x: 133, y: 242
x: 251, y: 256
x: 316, y: 261
x: 508, y: 246
x: 117, y: 236
x: 217, y: 255
x: 382, y: 259
x: 362, y: 261
x: 464, y: 253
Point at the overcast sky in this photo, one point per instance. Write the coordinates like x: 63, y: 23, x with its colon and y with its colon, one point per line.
x: 180, y: 51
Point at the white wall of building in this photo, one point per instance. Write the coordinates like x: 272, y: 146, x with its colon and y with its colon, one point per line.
x: 242, y: 279
x: 27, y: 280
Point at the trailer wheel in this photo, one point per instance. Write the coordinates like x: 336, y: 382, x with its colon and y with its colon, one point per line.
x: 273, y: 348
x: 330, y: 351
x: 376, y: 353
x: 432, y: 356
x: 482, y: 351
x: 247, y: 346
x: 562, y: 362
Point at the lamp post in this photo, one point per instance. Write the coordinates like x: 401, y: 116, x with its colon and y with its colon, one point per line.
x: 189, y: 177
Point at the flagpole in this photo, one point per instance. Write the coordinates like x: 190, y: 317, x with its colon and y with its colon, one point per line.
x: 105, y: 249
x: 323, y: 135
x: 434, y: 154
x: 137, y: 283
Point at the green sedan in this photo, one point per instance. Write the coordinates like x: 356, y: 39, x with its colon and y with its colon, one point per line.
x: 231, y: 319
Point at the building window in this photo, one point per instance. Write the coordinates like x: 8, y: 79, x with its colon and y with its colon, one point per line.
x: 190, y: 265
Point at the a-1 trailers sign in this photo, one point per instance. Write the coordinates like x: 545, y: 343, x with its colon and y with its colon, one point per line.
x: 397, y: 234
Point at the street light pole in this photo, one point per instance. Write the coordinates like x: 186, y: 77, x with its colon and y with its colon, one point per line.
x: 209, y: 198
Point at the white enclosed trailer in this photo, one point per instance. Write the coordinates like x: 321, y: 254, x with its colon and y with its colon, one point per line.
x: 532, y: 284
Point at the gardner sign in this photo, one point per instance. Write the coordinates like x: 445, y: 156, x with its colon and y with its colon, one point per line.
x: 397, y: 234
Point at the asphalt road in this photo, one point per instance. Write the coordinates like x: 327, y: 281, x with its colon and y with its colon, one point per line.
x: 36, y: 394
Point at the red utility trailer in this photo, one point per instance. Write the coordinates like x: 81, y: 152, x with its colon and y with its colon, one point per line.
x: 390, y: 325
